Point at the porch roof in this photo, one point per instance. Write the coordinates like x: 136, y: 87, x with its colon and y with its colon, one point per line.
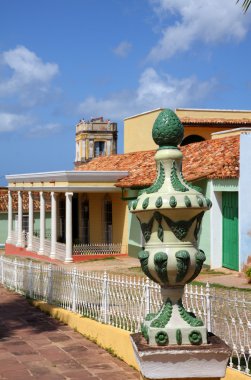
x: 61, y: 181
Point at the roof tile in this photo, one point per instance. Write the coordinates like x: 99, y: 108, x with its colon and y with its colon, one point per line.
x: 218, y: 158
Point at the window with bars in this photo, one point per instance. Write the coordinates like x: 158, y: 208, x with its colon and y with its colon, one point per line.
x: 108, y: 220
x: 85, y: 221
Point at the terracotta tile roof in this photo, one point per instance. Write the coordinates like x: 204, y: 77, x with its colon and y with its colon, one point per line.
x: 137, y: 163
x: 217, y: 158
x: 4, y: 201
x: 244, y: 122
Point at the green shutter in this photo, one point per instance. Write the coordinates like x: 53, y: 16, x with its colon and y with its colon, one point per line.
x: 230, y: 238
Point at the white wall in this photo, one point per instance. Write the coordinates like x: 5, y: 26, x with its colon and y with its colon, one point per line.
x: 216, y: 229
x: 245, y: 199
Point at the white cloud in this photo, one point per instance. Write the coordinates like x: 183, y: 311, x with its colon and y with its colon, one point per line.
x: 154, y: 90
x: 10, y: 121
x: 45, y: 129
x: 123, y: 49
x: 203, y: 21
x: 30, y: 76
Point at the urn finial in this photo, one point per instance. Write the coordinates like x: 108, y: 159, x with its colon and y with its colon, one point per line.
x: 170, y: 213
x: 168, y: 130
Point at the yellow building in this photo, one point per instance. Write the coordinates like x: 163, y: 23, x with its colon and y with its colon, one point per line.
x: 198, y: 126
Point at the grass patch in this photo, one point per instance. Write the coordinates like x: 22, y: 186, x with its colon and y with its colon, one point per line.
x: 136, y: 269
x: 212, y: 271
x: 87, y: 261
x: 219, y: 286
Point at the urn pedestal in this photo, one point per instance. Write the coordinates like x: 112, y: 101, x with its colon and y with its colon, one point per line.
x: 207, y: 361
x: 174, y: 343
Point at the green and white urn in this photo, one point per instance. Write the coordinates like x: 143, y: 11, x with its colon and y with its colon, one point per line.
x: 170, y: 214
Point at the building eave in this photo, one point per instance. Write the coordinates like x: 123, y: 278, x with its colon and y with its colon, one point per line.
x: 68, y: 176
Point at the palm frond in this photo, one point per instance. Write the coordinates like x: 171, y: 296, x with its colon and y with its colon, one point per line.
x: 245, y: 5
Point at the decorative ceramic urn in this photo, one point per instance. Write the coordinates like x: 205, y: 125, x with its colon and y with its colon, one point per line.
x: 170, y: 214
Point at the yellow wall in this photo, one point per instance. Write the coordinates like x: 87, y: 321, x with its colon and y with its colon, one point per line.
x: 204, y: 132
x: 211, y: 113
x: 138, y: 132
x: 119, y: 221
x: 138, y: 128
x: 119, y: 218
x: 96, y: 217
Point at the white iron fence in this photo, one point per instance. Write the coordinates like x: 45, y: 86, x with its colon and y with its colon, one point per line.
x: 77, y: 249
x: 124, y: 301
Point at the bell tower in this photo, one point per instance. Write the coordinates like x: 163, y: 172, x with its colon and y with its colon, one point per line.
x: 95, y: 138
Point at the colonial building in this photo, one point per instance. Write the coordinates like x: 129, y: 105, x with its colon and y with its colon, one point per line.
x: 94, y: 138
x: 89, y: 204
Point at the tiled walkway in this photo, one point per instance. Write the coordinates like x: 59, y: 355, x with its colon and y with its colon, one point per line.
x: 35, y: 346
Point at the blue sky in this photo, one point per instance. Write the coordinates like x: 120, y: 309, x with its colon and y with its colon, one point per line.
x: 62, y: 60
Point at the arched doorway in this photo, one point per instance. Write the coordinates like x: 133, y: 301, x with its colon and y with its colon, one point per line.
x: 192, y: 139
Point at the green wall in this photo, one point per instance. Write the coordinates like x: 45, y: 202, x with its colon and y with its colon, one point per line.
x: 4, y: 224
x: 134, y: 241
x: 204, y: 235
x: 3, y: 228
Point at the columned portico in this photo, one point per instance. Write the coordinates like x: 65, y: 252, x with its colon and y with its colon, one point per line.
x: 42, y: 223
x: 90, y: 188
x: 68, y: 227
x: 20, y: 220
x: 53, y: 224
x: 31, y: 221
x: 10, y: 217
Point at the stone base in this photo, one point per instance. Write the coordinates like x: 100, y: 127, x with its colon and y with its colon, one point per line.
x: 207, y: 361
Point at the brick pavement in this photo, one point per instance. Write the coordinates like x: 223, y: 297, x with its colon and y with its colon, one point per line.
x: 34, y: 345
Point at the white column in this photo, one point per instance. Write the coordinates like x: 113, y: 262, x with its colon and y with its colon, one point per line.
x: 83, y: 150
x: 42, y: 223
x: 53, y: 224
x: 20, y: 220
x: 10, y: 216
x: 68, y: 228
x: 31, y: 217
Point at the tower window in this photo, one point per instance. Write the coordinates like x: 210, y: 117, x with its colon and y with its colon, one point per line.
x: 99, y: 148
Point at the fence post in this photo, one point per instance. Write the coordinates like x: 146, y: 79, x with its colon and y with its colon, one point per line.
x: 208, y: 307
x: 105, y: 300
x: 15, y: 274
x: 30, y: 279
x: 2, y: 270
x: 49, y: 297
x: 147, y: 297
x: 1, y: 261
x: 73, y: 288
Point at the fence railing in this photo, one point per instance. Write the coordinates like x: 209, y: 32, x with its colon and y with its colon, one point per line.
x: 36, y: 232
x: 124, y: 301
x: 77, y: 249
x: 99, y: 249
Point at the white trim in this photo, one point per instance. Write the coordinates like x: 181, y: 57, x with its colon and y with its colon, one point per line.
x: 211, y: 110
x: 216, y: 258
x: 63, y: 189
x: 240, y: 130
x: 68, y: 176
x: 144, y: 113
x: 20, y: 220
